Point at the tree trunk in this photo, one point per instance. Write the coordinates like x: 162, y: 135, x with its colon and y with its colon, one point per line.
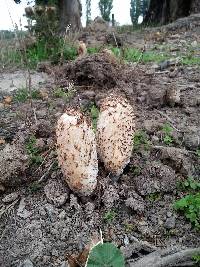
x: 164, y: 11
x: 70, y: 12
x: 195, y: 6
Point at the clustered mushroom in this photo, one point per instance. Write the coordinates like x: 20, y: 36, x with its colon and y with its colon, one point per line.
x: 77, y: 146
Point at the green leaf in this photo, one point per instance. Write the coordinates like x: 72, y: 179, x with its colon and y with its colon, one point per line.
x: 105, y: 255
x: 182, y: 203
x: 186, y: 183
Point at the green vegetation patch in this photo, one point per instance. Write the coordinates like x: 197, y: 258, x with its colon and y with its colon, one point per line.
x: 109, y: 216
x: 189, y: 205
x: 93, y: 112
x: 33, y: 151
x: 167, y: 131
x: 23, y: 94
x: 140, y: 141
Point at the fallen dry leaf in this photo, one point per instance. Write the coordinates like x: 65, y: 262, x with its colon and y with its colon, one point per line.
x: 81, y: 259
x: 44, y: 94
x: 2, y: 141
x: 7, y: 100
x: 2, y: 188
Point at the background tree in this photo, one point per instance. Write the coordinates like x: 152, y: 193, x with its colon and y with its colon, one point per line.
x: 138, y: 8
x: 69, y: 12
x: 145, y: 6
x: 135, y: 10
x: 105, y: 7
x: 164, y: 11
x: 88, y: 11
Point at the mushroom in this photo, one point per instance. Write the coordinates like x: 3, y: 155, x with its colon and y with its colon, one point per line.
x: 29, y: 11
x: 76, y: 148
x: 110, y: 56
x: 173, y: 95
x: 82, y: 49
x: 39, y: 10
x: 115, y: 129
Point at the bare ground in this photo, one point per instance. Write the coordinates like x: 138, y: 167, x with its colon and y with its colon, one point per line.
x: 45, y: 222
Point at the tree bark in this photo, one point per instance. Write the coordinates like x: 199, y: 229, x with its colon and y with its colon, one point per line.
x: 195, y: 6
x: 70, y: 12
x: 167, y: 258
x: 164, y: 11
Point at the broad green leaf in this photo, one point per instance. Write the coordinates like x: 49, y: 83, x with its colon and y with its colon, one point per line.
x: 105, y: 255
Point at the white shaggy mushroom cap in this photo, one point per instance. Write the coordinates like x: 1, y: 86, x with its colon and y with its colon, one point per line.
x: 76, y: 148
x: 115, y: 129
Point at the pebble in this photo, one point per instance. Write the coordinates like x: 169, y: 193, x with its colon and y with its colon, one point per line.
x: 10, y: 198
x: 22, y: 212
x: 62, y: 215
x: 194, y: 44
x: 126, y: 240
x: 55, y: 253
x: 169, y: 214
x: 51, y: 212
x: 42, y: 211
x: 64, y: 264
x: 26, y: 263
x: 170, y: 222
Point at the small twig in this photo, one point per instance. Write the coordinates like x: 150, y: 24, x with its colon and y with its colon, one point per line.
x: 8, y: 207
x: 141, y: 55
x: 101, y: 236
x: 48, y: 152
x: 30, y: 95
x: 162, y: 72
x: 184, y: 150
x: 83, y: 86
x: 169, y: 119
x: 167, y: 257
x: 115, y: 41
x: 35, y: 117
x: 46, y: 173
x: 3, y: 232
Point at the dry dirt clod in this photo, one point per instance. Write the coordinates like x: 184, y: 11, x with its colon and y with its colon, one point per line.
x: 156, y: 177
x: 56, y: 193
x: 173, y: 96
x: 13, y: 164
x: 10, y: 198
x: 178, y: 159
x: 135, y: 202
x: 26, y: 263
x: 98, y: 70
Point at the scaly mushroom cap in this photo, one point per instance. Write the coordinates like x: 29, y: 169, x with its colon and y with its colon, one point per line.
x: 115, y: 129
x: 39, y: 10
x: 76, y: 148
x: 50, y: 10
x: 110, y: 55
x: 82, y: 49
x: 29, y: 11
